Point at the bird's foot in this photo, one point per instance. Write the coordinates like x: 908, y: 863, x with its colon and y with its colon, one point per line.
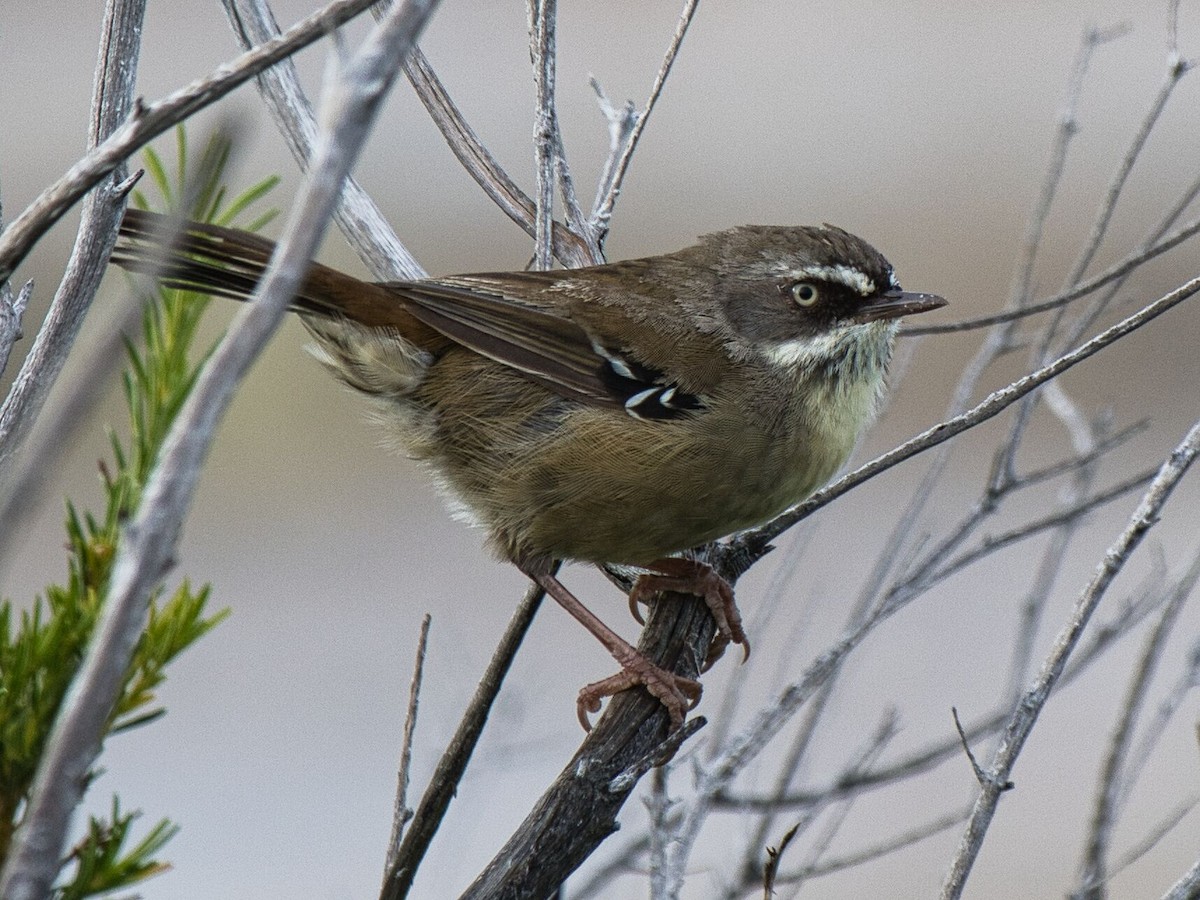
x: 689, y: 576
x: 677, y: 693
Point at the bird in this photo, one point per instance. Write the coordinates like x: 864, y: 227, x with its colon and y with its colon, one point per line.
x: 619, y: 414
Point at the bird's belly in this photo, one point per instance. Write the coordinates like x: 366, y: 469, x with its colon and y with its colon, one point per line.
x: 552, y: 479
x: 661, y: 488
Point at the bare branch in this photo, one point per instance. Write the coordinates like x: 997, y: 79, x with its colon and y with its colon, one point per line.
x: 1187, y: 887
x: 358, y: 216
x: 1110, y: 783
x: 774, y: 858
x: 400, y: 810
x: 1057, y: 519
x: 579, y: 810
x: 12, y: 309
x: 876, y: 851
x: 545, y: 127
x: 658, y: 806
x: 1023, y: 720
x: 1067, y: 129
x: 403, y: 864
x: 922, y: 760
x: 147, y: 122
x: 148, y: 540
x: 1113, y: 274
x: 1155, y: 834
x: 1176, y: 69
x: 482, y: 166
x: 615, y: 174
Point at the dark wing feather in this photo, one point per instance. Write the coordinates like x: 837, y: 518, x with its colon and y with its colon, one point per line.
x: 549, y: 348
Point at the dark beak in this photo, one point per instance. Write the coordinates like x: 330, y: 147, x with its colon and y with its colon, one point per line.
x: 896, y: 303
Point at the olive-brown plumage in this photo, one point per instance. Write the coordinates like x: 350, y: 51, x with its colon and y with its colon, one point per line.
x: 614, y: 414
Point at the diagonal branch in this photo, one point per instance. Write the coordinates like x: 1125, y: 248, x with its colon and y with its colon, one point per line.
x: 756, y: 539
x: 1025, y: 716
x: 147, y: 122
x: 358, y: 216
x: 606, y: 198
x: 147, y: 543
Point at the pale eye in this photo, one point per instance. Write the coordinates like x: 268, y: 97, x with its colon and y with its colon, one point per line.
x: 805, y: 293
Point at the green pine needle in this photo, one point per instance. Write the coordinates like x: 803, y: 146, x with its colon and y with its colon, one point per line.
x: 41, y: 649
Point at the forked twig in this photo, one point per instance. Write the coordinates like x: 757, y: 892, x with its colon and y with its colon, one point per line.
x: 1022, y: 721
x: 148, y: 540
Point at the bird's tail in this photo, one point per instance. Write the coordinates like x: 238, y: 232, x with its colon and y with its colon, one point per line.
x: 229, y: 262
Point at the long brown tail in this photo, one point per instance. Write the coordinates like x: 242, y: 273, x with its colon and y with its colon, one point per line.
x: 228, y: 262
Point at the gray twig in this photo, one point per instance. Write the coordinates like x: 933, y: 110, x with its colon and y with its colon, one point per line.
x: 545, y: 128
x: 358, y: 217
x: 12, y: 308
x: 1111, y: 781
x: 401, y: 812
x: 1025, y: 716
x: 601, y: 216
x: 147, y: 122
x: 443, y: 785
x: 482, y: 166
x: 147, y: 543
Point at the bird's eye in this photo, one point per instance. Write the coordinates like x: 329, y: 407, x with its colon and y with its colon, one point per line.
x: 805, y: 293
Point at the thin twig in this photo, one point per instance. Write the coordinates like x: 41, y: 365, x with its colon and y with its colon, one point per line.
x: 1177, y: 68
x: 1024, y: 718
x: 444, y: 783
x: 1068, y: 127
x: 1115, y: 273
x: 658, y: 807
x: 1110, y: 782
x: 774, y: 858
x: 147, y: 122
x: 401, y: 812
x: 992, y: 543
x: 571, y: 250
x: 861, y: 761
x: 358, y: 216
x: 922, y: 760
x: 883, y: 848
x: 12, y: 309
x: 146, y: 548
x: 601, y: 216
x: 981, y: 776
x: 545, y: 127
x: 1163, y: 714
x: 1187, y: 887
x: 1155, y: 834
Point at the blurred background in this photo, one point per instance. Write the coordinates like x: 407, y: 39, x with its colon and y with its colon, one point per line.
x: 924, y: 127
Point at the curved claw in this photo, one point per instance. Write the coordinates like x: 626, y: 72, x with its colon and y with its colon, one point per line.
x: 690, y: 576
x: 677, y: 693
x: 634, y: 599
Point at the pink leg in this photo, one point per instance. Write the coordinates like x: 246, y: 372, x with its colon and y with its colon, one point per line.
x: 676, y: 693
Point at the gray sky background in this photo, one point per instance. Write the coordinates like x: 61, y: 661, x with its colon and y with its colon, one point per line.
x: 923, y: 127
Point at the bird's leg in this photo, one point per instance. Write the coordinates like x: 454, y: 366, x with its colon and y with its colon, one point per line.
x: 690, y: 576
x: 676, y: 693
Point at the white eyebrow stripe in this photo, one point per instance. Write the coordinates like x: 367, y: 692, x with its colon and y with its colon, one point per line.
x: 851, y: 277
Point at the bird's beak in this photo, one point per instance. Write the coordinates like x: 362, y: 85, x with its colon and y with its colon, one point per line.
x: 896, y: 303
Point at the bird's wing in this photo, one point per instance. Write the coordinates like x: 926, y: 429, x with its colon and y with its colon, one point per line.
x: 544, y: 345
